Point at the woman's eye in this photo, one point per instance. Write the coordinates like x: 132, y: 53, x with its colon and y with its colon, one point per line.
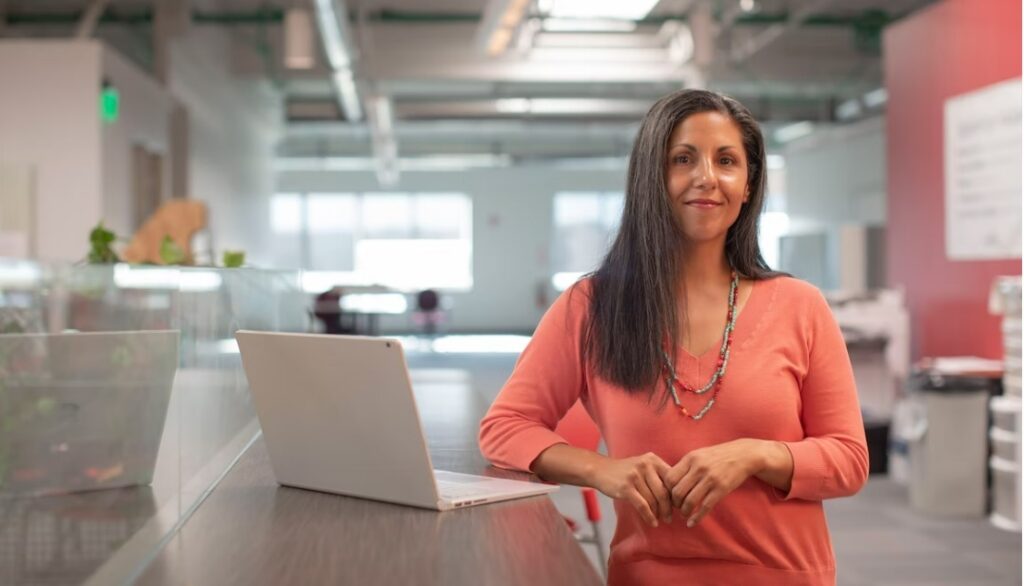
x: 682, y: 159
x: 726, y: 161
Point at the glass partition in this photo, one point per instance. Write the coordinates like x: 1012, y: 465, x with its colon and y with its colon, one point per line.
x: 122, y: 402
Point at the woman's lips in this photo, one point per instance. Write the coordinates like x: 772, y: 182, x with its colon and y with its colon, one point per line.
x: 703, y: 204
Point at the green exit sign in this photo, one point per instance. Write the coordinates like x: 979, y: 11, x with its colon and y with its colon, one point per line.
x: 110, y: 103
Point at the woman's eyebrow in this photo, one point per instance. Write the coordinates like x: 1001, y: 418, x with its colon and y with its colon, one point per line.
x: 693, y: 148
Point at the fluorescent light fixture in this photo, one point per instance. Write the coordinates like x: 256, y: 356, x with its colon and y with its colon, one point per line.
x: 562, y: 281
x: 391, y: 303
x: 776, y: 162
x: 299, y: 43
x: 348, y: 96
x: 876, y: 98
x: 794, y: 131
x: 330, y: 33
x: 339, y: 57
x: 621, y: 9
x: 587, y: 25
x: 849, y: 109
x: 748, y: 5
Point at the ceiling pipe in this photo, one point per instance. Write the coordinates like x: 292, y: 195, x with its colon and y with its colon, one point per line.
x: 772, y: 33
x: 87, y: 25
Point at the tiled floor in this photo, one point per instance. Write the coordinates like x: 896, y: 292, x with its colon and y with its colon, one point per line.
x: 878, y: 539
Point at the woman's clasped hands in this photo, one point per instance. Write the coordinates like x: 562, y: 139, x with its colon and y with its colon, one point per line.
x: 693, y: 486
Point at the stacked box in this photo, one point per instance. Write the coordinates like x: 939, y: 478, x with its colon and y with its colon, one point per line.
x: 1005, y: 434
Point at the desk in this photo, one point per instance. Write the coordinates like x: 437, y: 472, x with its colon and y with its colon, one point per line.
x: 252, y: 531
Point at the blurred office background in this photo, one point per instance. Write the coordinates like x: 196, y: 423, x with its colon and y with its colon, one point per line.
x: 440, y: 170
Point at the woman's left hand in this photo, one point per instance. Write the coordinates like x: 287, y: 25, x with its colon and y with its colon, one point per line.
x: 704, y: 476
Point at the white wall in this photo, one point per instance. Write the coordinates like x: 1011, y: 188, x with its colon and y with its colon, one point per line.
x: 512, y: 231
x: 837, y: 176
x: 49, y: 120
x: 145, y: 108
x: 233, y: 127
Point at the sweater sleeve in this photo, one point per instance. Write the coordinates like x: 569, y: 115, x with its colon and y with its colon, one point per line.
x: 832, y: 459
x: 547, y: 380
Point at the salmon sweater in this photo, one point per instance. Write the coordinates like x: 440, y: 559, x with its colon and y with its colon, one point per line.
x: 789, y: 379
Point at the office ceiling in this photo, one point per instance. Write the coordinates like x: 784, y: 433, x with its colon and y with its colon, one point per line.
x: 550, y: 93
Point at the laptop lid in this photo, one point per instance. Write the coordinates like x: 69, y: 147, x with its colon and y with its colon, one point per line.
x: 339, y: 415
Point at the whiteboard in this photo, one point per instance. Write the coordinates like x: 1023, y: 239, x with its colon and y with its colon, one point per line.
x: 983, y: 173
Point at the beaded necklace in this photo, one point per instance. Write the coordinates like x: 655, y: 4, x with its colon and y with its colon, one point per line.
x: 723, y: 361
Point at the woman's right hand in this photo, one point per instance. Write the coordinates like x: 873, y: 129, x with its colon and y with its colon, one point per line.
x: 637, y: 480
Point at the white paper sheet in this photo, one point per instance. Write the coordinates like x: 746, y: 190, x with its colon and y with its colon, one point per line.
x: 983, y: 173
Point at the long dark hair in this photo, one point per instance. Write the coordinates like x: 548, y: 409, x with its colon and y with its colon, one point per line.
x: 633, y: 294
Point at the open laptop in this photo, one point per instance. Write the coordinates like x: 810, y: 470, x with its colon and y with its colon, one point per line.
x: 339, y: 415
x: 83, y: 411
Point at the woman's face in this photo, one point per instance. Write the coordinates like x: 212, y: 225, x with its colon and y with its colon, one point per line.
x: 706, y: 175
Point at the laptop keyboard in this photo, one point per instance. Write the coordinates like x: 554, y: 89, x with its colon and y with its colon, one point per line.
x: 455, y: 486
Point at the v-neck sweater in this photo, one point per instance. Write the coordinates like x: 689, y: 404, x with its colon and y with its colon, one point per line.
x: 788, y: 379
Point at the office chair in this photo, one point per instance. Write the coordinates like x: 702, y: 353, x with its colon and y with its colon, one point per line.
x: 428, y: 311
x: 580, y: 431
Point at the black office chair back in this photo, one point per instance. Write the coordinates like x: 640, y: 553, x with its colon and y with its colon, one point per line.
x: 428, y: 300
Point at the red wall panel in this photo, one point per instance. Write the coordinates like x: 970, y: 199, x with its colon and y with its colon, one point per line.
x: 947, y: 49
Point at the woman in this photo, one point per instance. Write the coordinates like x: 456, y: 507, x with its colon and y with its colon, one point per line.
x: 723, y: 390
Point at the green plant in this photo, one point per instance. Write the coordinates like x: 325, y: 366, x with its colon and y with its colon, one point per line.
x: 100, y: 240
x: 234, y: 258
x: 171, y: 253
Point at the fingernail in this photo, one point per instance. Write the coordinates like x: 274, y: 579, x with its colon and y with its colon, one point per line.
x: 691, y: 523
x: 655, y: 523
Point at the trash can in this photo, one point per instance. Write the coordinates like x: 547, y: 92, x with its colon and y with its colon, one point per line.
x: 947, y: 444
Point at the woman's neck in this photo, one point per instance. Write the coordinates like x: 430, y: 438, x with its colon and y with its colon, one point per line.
x: 705, y: 265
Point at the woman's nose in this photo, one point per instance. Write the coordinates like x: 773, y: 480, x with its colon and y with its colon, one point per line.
x: 705, y: 175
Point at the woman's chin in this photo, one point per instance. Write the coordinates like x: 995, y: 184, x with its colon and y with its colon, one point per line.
x: 703, y: 234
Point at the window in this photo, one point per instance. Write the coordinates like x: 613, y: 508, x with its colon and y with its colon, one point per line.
x: 585, y: 224
x: 405, y: 241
